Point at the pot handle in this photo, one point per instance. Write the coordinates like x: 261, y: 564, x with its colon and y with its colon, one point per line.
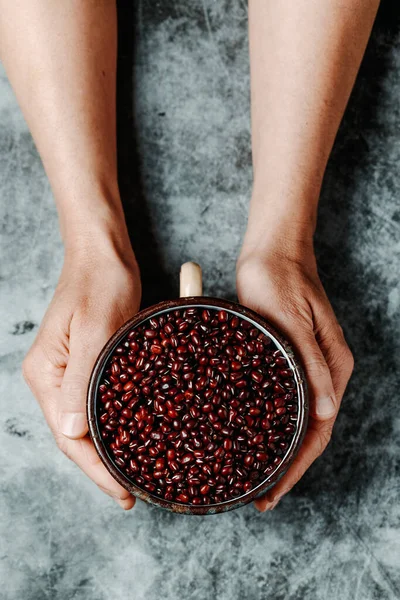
x: 191, y: 283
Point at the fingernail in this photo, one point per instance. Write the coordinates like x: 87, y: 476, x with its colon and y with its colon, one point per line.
x: 73, y: 425
x: 325, y: 407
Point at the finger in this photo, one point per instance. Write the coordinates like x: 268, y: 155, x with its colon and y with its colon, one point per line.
x: 44, y: 365
x: 83, y: 453
x: 323, y: 410
x: 336, y: 352
x: 315, y: 442
x: 299, y: 328
x: 323, y: 401
x: 85, y: 344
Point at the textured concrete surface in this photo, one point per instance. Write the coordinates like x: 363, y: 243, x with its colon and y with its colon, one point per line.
x: 185, y: 170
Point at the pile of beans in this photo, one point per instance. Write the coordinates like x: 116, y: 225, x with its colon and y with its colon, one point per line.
x: 197, y: 406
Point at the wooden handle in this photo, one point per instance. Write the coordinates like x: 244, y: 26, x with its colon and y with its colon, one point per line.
x: 191, y: 283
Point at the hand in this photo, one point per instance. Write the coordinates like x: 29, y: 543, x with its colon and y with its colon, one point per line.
x: 289, y: 294
x: 96, y: 294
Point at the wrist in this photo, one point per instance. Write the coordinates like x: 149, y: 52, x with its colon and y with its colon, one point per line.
x: 98, y: 235
x: 89, y: 206
x: 281, y: 227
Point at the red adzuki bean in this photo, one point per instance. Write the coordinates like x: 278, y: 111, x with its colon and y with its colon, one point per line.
x: 197, y: 406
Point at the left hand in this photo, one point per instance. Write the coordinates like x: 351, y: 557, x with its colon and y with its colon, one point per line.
x: 289, y: 294
x: 98, y: 291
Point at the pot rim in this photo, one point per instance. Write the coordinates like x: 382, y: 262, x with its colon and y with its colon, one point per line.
x: 266, y: 328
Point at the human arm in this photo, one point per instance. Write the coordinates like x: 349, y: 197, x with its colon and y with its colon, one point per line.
x: 60, y: 58
x: 304, y: 58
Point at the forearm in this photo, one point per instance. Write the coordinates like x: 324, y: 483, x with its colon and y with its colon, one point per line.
x: 61, y: 60
x: 304, y: 58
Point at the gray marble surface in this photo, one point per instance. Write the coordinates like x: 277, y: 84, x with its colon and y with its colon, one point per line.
x: 185, y: 177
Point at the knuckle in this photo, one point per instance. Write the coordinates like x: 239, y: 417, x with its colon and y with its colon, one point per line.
x: 63, y: 445
x: 120, y: 496
x: 316, y: 367
x: 289, y: 489
x: 298, y: 312
x: 322, y: 440
x: 26, y: 370
x: 343, y: 357
x: 349, y: 359
x: 104, y: 490
x: 73, y: 387
x: 298, y: 470
x: 29, y: 368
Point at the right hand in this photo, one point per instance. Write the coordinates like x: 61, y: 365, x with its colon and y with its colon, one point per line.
x: 97, y: 292
x: 289, y: 293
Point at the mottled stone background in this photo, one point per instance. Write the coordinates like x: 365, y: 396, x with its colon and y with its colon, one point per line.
x: 185, y: 178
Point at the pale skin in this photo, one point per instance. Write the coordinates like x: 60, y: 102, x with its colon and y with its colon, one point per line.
x: 61, y: 60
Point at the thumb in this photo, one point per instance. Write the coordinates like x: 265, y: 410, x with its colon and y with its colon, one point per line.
x: 85, y: 346
x: 324, y: 404
x: 299, y: 330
